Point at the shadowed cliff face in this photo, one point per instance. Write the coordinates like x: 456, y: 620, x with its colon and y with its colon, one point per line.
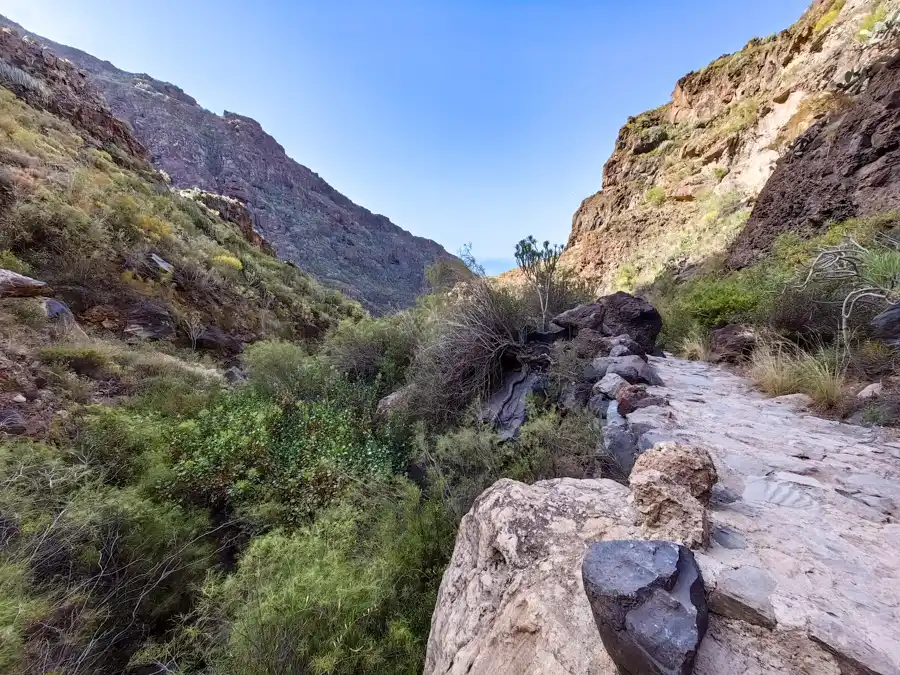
x: 684, y: 178
x: 306, y: 220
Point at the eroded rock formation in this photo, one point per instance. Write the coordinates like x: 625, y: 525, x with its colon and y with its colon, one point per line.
x: 683, y: 178
x: 306, y: 220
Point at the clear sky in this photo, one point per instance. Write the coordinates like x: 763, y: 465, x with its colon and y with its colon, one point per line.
x: 461, y: 120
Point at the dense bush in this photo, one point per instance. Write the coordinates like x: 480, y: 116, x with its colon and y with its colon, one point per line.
x: 351, y: 593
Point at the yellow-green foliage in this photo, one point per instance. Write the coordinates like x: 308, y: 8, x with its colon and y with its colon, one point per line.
x: 228, y: 262
x: 85, y: 211
x: 741, y: 116
x: 655, y: 196
x: 780, y: 368
x: 8, y: 261
x: 829, y: 16
x: 871, y: 19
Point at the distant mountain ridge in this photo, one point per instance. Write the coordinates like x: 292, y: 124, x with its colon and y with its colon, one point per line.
x: 308, y: 222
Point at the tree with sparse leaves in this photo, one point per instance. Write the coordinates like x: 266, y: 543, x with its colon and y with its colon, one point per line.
x: 539, y: 265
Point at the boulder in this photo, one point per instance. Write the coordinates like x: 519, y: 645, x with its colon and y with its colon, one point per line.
x: 873, y: 390
x: 14, y: 285
x: 624, y: 314
x: 623, y: 345
x: 505, y: 409
x: 596, y: 370
x: 215, y: 339
x: 547, y: 337
x: 393, y: 403
x: 732, y: 343
x: 62, y: 321
x: 12, y: 422
x: 672, y: 485
x: 887, y: 324
x: 599, y: 405
x: 610, y: 385
x: 584, y: 317
x: 633, y: 397
x: 150, y: 321
x: 619, y: 445
x: 161, y: 264
x: 649, y: 604
x: 511, y: 601
x: 575, y: 395
x: 633, y: 369
x: 745, y: 594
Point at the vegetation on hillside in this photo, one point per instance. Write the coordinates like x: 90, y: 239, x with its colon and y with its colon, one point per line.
x: 155, y: 513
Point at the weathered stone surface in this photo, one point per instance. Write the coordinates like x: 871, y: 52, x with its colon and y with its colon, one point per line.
x: 512, y: 600
x: 623, y: 345
x: 887, y: 324
x: 635, y: 317
x: 215, y: 339
x: 732, y: 343
x: 505, y: 409
x: 599, y: 405
x: 584, y: 317
x: 393, y: 403
x: 234, y: 211
x: 150, y: 321
x: 633, y: 369
x: 597, y: 369
x: 163, y: 265
x: 14, y: 285
x: 829, y: 543
x: 745, y: 593
x: 610, y: 385
x: 671, y: 485
x: 649, y: 604
x: 873, y: 390
x: 634, y: 397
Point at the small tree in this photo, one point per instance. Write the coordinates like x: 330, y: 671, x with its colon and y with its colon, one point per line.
x: 539, y: 265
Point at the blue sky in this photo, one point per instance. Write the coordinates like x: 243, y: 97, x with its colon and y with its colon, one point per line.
x: 461, y: 120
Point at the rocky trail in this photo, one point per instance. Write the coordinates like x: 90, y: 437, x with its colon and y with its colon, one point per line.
x: 802, y: 571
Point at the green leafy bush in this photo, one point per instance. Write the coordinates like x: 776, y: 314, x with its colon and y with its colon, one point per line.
x: 352, y: 593
x: 655, y: 196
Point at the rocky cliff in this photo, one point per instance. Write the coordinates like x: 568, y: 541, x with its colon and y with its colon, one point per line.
x: 306, y: 220
x: 684, y: 178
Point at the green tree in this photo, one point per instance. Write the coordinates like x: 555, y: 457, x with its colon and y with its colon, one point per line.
x: 540, y: 266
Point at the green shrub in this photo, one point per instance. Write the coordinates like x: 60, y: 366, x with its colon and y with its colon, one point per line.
x: 352, y: 593
x: 9, y: 261
x: 829, y: 17
x: 248, y: 449
x: 373, y: 350
x: 655, y: 196
x: 871, y: 19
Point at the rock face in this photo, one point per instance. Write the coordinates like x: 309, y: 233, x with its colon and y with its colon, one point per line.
x: 683, y: 178
x: 14, y: 285
x: 846, y: 166
x: 505, y: 409
x: 799, y: 570
x: 233, y: 211
x: 649, y: 603
x: 306, y: 220
x: 672, y: 485
x: 56, y: 85
x: 622, y: 320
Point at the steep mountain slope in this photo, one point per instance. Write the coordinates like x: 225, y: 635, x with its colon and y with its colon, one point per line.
x: 308, y: 222
x: 683, y: 178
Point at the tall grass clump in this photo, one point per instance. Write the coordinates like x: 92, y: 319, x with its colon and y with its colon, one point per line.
x: 780, y: 368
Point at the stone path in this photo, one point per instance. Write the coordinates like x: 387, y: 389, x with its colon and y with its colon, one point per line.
x: 805, y: 538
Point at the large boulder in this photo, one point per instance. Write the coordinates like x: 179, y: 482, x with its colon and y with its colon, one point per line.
x: 672, y: 485
x: 619, y: 314
x: 512, y: 600
x: 14, y: 285
x: 150, y: 321
x: 649, y: 604
x: 625, y: 314
x: 633, y: 369
x: 732, y: 343
x: 215, y: 339
x: 887, y: 324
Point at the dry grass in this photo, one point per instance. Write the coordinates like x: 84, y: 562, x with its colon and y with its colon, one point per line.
x: 780, y: 368
x: 696, y: 345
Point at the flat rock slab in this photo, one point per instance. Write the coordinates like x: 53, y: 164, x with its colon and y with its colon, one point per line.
x: 813, y: 504
x: 14, y: 285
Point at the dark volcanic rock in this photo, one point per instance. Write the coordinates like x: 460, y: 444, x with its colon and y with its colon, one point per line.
x: 584, y: 317
x: 12, y: 422
x: 506, y: 407
x: 306, y: 220
x: 633, y: 369
x: 627, y: 315
x: 150, y: 321
x: 846, y: 166
x: 887, y: 324
x: 649, y: 604
x: 732, y: 343
x: 215, y: 339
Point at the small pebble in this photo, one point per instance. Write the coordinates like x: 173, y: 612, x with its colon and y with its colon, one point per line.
x: 19, y: 398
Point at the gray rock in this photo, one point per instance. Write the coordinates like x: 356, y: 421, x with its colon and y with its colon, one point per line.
x: 887, y: 324
x: 164, y: 265
x: 634, y: 369
x: 587, y: 316
x: 650, y: 438
x: 620, y: 450
x: 505, y: 409
x: 599, y: 405
x: 14, y: 285
x: 745, y: 594
x: 623, y: 345
x: 575, y: 395
x: 613, y: 417
x: 610, y: 385
x: 626, y: 314
x: 649, y: 604
x: 150, y: 321
x: 596, y: 371
x: 12, y: 422
x: 235, y: 375
x: 215, y: 339
x: 874, y: 390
